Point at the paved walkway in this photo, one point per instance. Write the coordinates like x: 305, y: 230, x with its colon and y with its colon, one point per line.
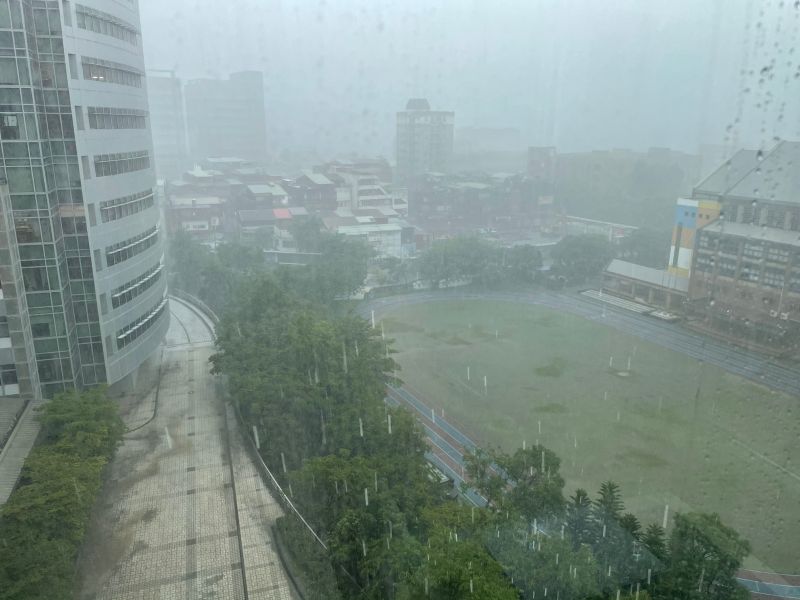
x: 167, y: 525
x: 10, y: 409
x: 19, y: 444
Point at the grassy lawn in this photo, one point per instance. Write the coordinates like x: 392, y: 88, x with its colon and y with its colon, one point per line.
x: 671, y: 431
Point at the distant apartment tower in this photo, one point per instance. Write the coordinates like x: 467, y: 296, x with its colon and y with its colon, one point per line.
x: 225, y: 117
x: 165, y: 97
x: 424, y: 141
x: 81, y: 191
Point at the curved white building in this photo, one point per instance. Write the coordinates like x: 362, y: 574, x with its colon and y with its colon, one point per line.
x: 82, y: 186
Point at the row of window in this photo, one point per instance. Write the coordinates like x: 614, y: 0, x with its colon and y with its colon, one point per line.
x: 127, y: 292
x: 128, y: 334
x: 79, y: 267
x: 774, y: 253
x: 106, y: 24
x: 727, y: 268
x: 122, y: 251
x: 121, y: 162
x: 8, y: 374
x: 110, y: 72
x: 116, y: 118
x: 119, y: 208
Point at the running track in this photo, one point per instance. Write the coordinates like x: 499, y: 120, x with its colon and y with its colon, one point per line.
x: 448, y: 443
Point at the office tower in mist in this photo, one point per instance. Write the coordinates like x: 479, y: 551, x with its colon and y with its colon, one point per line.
x: 165, y: 98
x: 225, y: 117
x: 80, y: 212
x: 424, y: 140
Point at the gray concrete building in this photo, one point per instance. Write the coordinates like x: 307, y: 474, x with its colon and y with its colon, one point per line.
x: 745, y: 276
x: 424, y: 141
x: 77, y: 157
x: 168, y: 124
x: 226, y: 117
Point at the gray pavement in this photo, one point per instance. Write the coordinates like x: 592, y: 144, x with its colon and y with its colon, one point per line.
x: 10, y: 410
x: 167, y: 524
x: 19, y: 444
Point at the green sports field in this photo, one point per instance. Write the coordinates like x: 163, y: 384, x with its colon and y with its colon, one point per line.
x: 671, y: 431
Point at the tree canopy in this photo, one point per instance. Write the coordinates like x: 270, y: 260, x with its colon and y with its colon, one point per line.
x: 473, y: 259
x: 578, y: 257
x: 44, y: 521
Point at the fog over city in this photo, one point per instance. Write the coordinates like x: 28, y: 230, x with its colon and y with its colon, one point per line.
x: 577, y: 74
x: 400, y: 299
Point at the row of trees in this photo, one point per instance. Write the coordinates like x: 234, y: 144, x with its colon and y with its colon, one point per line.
x: 584, y: 547
x: 574, y: 259
x: 43, y: 523
x: 339, y: 269
x: 470, y: 258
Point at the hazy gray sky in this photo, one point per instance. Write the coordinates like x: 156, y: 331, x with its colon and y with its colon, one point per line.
x: 579, y: 74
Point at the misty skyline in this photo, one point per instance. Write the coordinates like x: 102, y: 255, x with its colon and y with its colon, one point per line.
x: 580, y: 75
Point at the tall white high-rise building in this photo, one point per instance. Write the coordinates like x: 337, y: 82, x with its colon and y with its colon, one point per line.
x: 77, y: 157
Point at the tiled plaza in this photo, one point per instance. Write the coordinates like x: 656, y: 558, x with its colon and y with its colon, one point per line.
x: 167, y: 526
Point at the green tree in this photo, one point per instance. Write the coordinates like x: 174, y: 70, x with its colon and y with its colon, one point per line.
x: 187, y: 260
x: 654, y: 539
x: 631, y: 525
x: 522, y: 263
x: 539, y: 563
x: 458, y: 566
x: 339, y: 271
x: 307, y: 233
x: 579, y: 518
x: 612, y: 543
x: 581, y: 256
x: 479, y: 467
x: 44, y: 520
x: 85, y: 424
x: 462, y: 258
x: 536, y: 486
x: 648, y: 247
x: 704, y: 556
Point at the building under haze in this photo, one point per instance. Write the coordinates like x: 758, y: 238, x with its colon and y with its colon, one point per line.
x: 225, y: 117
x: 745, y: 275
x: 424, y: 141
x: 165, y: 98
x: 80, y: 213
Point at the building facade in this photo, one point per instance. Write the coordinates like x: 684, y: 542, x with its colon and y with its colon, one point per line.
x: 167, y: 123
x: 18, y: 374
x: 745, y: 274
x: 690, y: 215
x: 424, y: 141
x: 225, y: 117
x: 77, y: 156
